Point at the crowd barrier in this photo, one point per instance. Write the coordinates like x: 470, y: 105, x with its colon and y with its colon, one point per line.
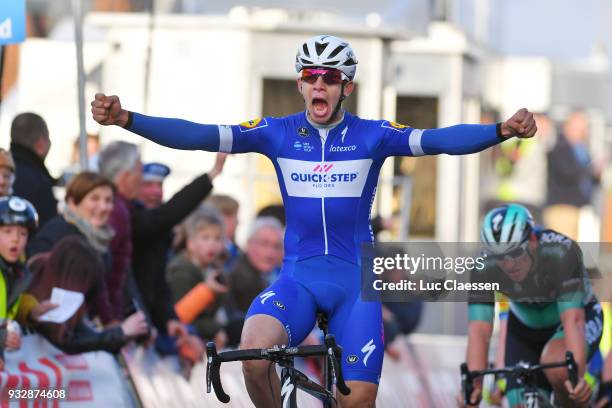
x: 425, y: 374
x: 38, y: 368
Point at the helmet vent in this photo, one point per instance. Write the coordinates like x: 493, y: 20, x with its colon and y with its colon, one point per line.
x: 305, y: 61
x: 306, y: 52
x: 350, y: 62
x: 331, y: 63
x: 336, y: 51
x: 320, y: 48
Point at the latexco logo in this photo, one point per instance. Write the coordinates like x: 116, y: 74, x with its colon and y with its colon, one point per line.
x: 350, y: 148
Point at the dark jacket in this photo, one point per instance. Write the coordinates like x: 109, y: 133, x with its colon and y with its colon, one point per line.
x: 33, y: 182
x: 151, y: 237
x: 53, y: 232
x: 569, y: 181
x: 84, y: 338
x: 245, y: 283
x: 182, y: 276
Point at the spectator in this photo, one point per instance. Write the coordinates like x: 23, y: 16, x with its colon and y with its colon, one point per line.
x: 194, y: 275
x: 93, y: 148
x: 572, y: 176
x: 253, y: 271
x: 30, y: 144
x: 18, y: 219
x: 74, y: 265
x: 273, y: 210
x: 120, y: 162
x: 89, y: 203
x: 7, y: 173
x: 152, y: 238
x: 228, y: 207
x: 152, y: 188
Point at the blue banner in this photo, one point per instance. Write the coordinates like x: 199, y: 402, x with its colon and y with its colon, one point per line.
x: 12, y: 21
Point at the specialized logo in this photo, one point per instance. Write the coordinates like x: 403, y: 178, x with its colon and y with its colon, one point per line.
x: 352, y: 359
x: 395, y: 126
x: 286, y: 391
x: 344, y: 133
x: 497, y: 221
x: 252, y: 125
x: 265, y: 296
x: 344, y: 178
x: 303, y: 131
x: 350, y: 148
x: 368, y: 349
x: 279, y: 305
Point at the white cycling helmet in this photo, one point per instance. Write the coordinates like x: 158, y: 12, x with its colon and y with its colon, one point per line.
x: 329, y: 52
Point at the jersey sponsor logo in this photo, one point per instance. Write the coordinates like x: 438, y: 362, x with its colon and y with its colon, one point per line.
x: 352, y: 359
x: 395, y: 126
x: 252, y: 125
x: 279, y: 305
x: 303, y: 131
x: 266, y: 295
x: 368, y: 349
x: 350, y: 148
x: 329, y: 179
x: 555, y: 238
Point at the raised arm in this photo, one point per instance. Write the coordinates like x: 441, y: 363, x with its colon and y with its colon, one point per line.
x: 174, y: 133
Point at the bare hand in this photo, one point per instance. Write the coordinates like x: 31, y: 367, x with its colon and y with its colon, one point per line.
x: 521, y: 124
x: 135, y: 325
x: 191, y: 348
x: 213, y: 283
x: 218, y: 167
x: 581, y: 393
x: 176, y: 329
x: 40, y: 309
x: 13, y: 341
x: 106, y: 110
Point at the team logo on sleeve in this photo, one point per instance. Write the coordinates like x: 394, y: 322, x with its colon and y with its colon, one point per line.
x: 395, y: 126
x: 252, y: 124
x: 303, y: 131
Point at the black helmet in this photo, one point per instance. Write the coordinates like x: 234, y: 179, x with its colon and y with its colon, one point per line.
x: 18, y: 211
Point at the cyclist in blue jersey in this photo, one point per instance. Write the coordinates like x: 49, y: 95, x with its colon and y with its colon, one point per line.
x: 327, y: 162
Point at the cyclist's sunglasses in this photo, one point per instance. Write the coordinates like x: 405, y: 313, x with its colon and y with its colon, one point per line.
x: 330, y: 76
x: 513, y: 255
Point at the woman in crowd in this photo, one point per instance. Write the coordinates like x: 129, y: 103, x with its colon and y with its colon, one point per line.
x: 74, y: 265
x: 89, y: 203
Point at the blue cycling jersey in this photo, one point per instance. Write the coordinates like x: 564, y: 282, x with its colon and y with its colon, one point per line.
x: 327, y: 177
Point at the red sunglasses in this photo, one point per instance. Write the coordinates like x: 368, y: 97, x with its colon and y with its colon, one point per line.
x: 330, y: 76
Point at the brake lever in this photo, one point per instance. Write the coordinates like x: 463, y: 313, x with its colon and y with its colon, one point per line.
x: 335, y: 356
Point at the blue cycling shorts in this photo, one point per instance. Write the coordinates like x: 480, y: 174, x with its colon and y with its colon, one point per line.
x: 331, y: 285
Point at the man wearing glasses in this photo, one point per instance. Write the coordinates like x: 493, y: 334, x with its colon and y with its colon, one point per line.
x: 327, y: 162
x: 552, y: 306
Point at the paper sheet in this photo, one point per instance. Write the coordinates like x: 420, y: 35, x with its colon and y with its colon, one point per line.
x: 68, y: 303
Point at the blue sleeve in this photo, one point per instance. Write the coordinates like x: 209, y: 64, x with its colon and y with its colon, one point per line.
x: 176, y: 133
x: 251, y: 136
x: 400, y: 140
x: 459, y: 139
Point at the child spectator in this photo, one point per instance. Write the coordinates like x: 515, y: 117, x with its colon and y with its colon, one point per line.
x: 228, y: 207
x: 194, y: 275
x: 18, y: 219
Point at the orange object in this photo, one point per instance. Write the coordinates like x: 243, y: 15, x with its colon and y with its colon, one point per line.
x: 194, y: 302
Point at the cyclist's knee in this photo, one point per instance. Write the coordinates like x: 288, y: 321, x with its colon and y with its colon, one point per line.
x: 363, y: 395
x: 257, y: 370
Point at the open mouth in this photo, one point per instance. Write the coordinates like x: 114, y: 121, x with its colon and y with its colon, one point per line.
x: 320, y: 106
